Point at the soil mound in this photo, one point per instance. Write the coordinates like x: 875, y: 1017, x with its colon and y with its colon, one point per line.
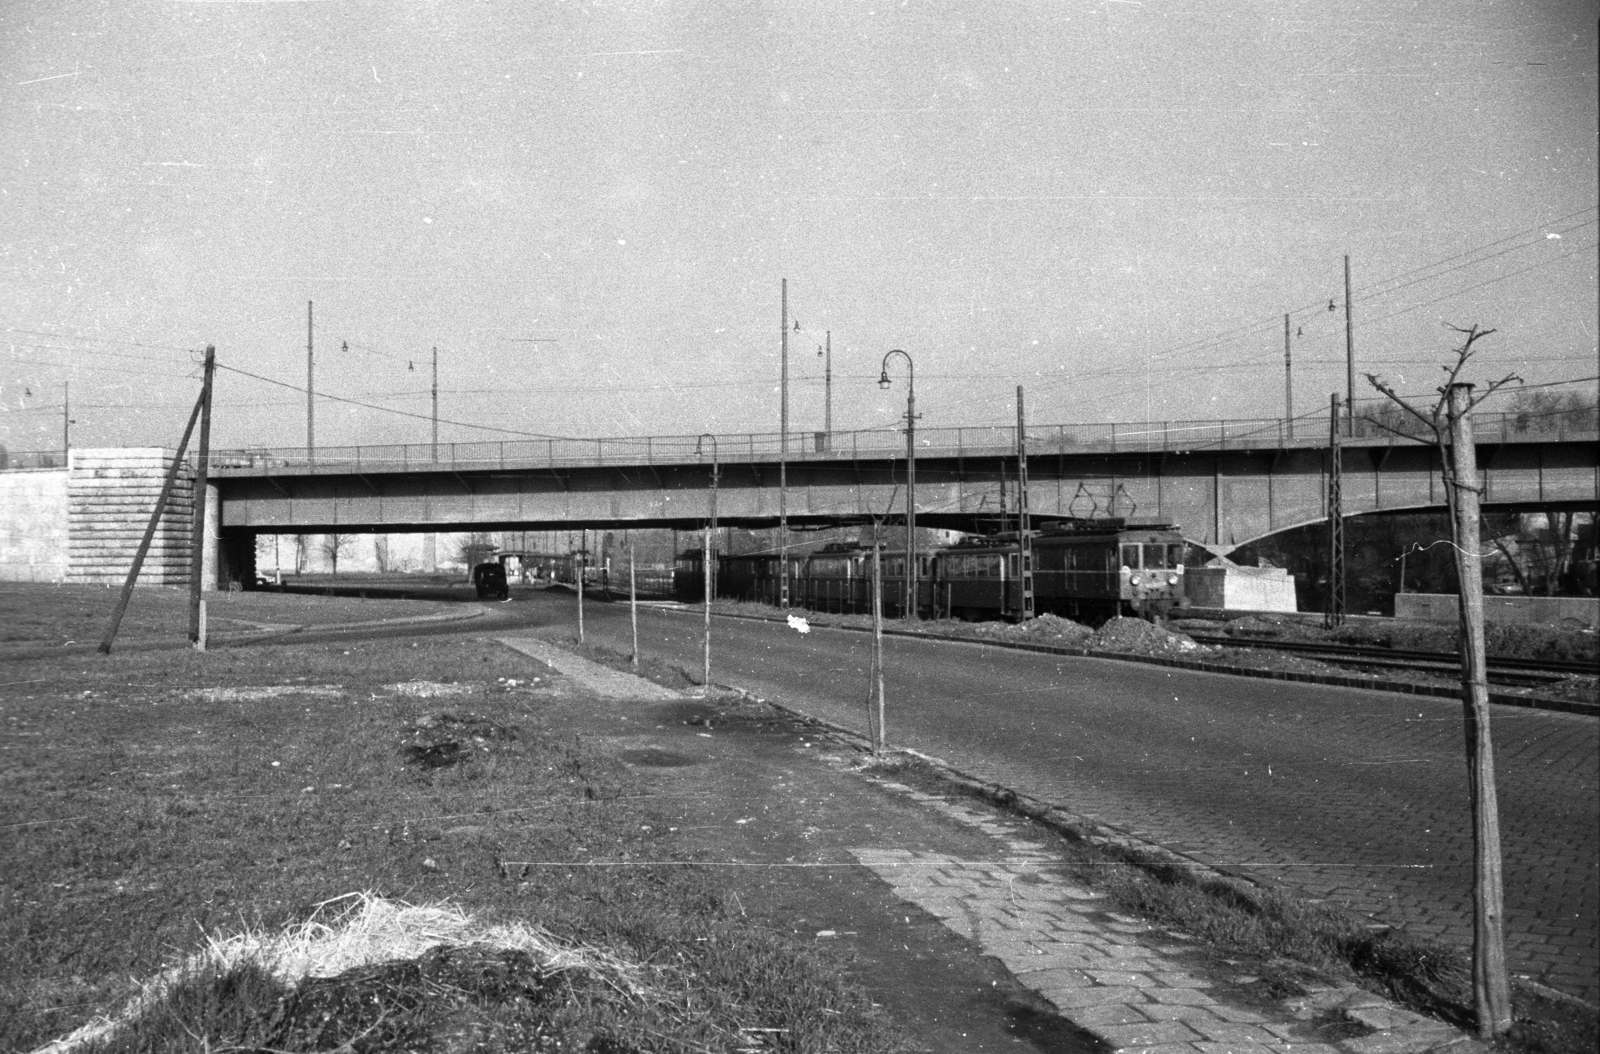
x: 1141, y: 637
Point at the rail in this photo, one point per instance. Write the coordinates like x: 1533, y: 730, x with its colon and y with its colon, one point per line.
x: 953, y: 442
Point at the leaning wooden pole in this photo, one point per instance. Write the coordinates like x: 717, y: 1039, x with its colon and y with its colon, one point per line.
x: 1490, y: 982
x: 150, y: 531
x: 198, y: 554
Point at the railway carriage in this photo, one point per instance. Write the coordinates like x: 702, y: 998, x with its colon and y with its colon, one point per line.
x: 1093, y: 570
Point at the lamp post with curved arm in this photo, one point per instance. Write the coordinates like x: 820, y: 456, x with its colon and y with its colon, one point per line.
x: 911, y: 474
x: 705, y: 553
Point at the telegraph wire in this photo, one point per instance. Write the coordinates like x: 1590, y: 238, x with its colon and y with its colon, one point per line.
x: 391, y: 410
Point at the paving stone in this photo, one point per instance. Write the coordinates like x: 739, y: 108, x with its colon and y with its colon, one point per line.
x: 1185, y: 996
x: 1138, y: 980
x: 1095, y: 1017
x: 1148, y: 1033
x: 1181, y: 1012
x: 1233, y: 1032
x: 1068, y: 998
x: 1208, y: 1047
x: 1180, y: 979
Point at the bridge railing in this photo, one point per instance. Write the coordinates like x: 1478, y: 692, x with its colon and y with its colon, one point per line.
x: 1370, y: 429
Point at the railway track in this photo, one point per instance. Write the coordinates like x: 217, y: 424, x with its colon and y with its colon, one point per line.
x: 1522, y: 673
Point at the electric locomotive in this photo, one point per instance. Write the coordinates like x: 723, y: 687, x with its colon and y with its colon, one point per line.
x: 1093, y: 570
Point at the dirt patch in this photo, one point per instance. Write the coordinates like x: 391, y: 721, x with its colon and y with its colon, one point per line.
x: 442, y: 740
x: 655, y: 757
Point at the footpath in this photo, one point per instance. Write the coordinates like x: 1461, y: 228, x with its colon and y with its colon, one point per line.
x: 958, y: 916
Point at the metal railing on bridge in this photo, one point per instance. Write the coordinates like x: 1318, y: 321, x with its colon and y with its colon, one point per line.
x: 954, y: 442
x: 1270, y: 433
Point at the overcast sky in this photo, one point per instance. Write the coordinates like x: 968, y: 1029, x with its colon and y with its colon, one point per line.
x: 588, y: 208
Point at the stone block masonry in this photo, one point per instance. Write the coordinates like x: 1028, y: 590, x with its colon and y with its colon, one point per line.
x: 109, y: 497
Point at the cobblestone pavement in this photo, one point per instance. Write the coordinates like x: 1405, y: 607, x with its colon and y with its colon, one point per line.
x: 1132, y: 986
x: 1357, y: 798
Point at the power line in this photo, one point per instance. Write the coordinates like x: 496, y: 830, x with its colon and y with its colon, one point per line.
x: 389, y: 410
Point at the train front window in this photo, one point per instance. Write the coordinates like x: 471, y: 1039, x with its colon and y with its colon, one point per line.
x: 1155, y: 556
x: 1130, y: 557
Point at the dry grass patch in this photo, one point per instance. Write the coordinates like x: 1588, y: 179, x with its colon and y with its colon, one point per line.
x: 174, y: 814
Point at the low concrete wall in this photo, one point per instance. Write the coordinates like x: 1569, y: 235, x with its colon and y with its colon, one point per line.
x: 1444, y: 607
x: 1240, y: 588
x: 33, y: 528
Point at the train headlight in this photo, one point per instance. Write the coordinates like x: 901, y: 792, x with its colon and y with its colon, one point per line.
x: 1172, y: 580
x: 1135, y: 580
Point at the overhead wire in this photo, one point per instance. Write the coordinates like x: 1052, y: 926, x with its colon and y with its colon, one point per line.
x: 391, y: 410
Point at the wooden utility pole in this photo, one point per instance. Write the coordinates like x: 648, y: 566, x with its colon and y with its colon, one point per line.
x: 1024, y: 538
x: 633, y: 607
x: 1349, y: 354
x: 827, y: 394
x: 1490, y: 985
x: 66, y: 423
x: 115, y: 621
x: 434, y: 455
x: 578, y: 564
x: 1335, y: 613
x: 783, y: 451
x: 1288, y: 380
x: 197, y: 603
x: 311, y: 394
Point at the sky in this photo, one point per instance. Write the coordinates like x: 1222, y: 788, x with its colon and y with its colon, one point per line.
x: 591, y: 210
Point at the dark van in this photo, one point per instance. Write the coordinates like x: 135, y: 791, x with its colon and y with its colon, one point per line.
x: 490, y: 581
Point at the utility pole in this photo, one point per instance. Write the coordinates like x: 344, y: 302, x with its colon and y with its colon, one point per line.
x: 311, y: 393
x: 705, y: 578
x: 783, y: 452
x: 1335, y: 613
x: 1288, y: 380
x: 1025, y: 541
x: 827, y: 395
x: 875, y: 678
x: 197, y: 603
x: 149, y: 532
x: 1349, y: 354
x: 66, y: 422
x: 435, y: 448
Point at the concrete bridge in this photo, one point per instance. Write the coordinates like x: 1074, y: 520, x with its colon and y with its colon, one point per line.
x: 1224, y: 483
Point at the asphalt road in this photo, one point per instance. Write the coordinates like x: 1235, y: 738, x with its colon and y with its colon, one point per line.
x: 1355, y: 797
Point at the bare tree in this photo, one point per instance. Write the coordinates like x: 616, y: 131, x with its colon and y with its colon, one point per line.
x: 334, y: 546
x: 1449, y: 422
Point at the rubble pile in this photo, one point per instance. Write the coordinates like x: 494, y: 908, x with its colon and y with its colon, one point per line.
x: 1144, y: 638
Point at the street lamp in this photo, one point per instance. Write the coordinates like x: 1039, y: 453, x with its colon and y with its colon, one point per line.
x: 911, y: 474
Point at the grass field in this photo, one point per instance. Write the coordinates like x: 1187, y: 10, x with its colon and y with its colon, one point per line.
x: 61, y: 615
x: 157, y: 802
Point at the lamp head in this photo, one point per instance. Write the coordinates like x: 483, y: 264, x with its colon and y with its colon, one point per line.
x: 883, y: 379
